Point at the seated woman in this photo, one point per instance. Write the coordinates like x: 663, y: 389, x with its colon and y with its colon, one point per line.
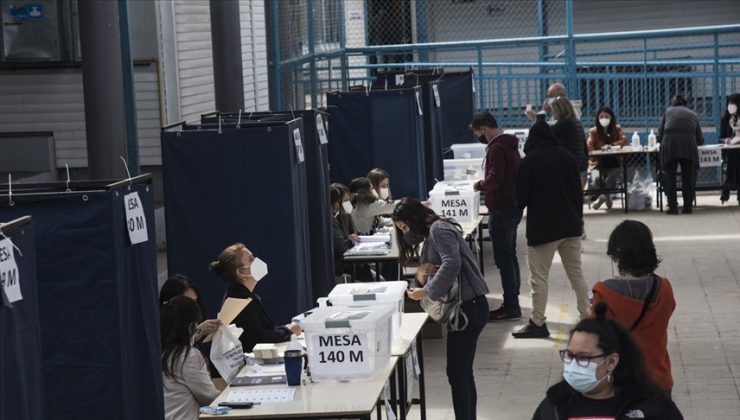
x: 367, y: 206
x: 604, y: 170
x: 241, y: 271
x: 186, y: 382
x: 604, y: 377
x: 343, y: 235
x: 639, y: 299
x: 180, y: 284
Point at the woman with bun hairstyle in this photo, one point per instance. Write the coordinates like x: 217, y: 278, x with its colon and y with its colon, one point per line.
x: 241, y: 271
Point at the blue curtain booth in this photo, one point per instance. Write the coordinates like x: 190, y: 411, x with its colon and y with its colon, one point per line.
x: 239, y: 185
x: 97, y: 299
x: 21, y: 377
x: 317, y: 182
x: 378, y: 129
x: 456, y: 94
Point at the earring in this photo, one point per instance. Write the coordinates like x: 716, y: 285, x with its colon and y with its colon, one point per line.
x: 609, y: 377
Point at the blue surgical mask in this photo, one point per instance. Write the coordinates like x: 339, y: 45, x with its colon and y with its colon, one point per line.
x: 582, y: 379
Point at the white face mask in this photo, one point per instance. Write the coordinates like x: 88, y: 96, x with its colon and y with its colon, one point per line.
x: 258, y: 268
x: 732, y: 108
x: 384, y: 193
x: 582, y: 379
x: 347, y: 206
x: 605, y: 122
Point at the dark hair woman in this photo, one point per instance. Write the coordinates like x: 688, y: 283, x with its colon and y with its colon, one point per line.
x: 604, y: 376
x: 241, y: 271
x: 729, y: 133
x: 606, y: 169
x: 444, y: 258
x: 186, y: 382
x: 180, y: 284
x: 368, y: 207
x: 341, y: 224
x: 381, y: 182
x: 639, y: 299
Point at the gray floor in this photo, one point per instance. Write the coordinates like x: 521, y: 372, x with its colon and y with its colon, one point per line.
x: 701, y: 258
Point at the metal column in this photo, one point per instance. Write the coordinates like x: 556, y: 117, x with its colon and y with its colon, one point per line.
x: 226, y: 39
x: 102, y: 79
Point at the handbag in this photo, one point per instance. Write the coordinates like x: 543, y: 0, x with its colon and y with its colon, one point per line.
x: 448, y: 309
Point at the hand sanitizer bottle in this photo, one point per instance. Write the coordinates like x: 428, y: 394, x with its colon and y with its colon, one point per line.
x: 635, y: 140
x: 652, y: 140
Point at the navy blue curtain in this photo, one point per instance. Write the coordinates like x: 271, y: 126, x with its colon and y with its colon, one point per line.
x: 98, y: 305
x: 243, y: 185
x: 456, y: 93
x: 380, y: 129
x: 321, y: 247
x: 21, y: 380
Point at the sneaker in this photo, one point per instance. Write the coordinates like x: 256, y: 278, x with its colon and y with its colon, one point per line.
x: 501, y: 314
x: 599, y: 202
x: 532, y: 330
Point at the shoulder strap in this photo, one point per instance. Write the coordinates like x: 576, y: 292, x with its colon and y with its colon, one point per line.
x: 648, y: 299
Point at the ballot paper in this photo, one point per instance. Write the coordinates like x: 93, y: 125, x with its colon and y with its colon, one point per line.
x: 230, y: 309
x: 262, y: 396
x: 375, y: 238
x: 371, y: 248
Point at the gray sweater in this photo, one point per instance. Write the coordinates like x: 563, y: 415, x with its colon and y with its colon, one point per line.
x: 679, y: 134
x: 446, y: 248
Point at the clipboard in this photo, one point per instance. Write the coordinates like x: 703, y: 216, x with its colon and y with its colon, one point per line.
x: 229, y: 310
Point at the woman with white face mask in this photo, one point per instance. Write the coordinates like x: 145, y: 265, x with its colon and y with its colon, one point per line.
x: 367, y: 207
x: 343, y: 226
x: 241, y: 271
x: 604, y: 377
x: 729, y: 133
x: 381, y: 184
x: 606, y: 169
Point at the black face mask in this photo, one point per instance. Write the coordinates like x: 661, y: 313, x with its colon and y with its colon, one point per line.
x: 412, y: 239
x: 482, y: 138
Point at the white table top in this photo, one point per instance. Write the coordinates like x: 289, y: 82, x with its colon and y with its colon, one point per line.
x: 411, y: 324
x: 326, y: 398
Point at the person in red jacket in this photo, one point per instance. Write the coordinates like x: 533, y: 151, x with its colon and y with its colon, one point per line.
x: 639, y: 299
x: 498, y: 186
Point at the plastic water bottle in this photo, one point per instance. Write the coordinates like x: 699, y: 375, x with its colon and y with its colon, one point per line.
x: 652, y: 140
x: 635, y: 139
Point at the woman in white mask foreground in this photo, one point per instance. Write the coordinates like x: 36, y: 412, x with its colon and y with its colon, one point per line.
x: 604, y: 377
x: 241, y: 271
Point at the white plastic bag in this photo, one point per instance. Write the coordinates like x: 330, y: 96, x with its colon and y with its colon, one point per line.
x: 640, y: 192
x: 227, y: 353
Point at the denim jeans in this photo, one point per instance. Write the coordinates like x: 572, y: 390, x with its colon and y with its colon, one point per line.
x: 460, y: 355
x: 502, y: 225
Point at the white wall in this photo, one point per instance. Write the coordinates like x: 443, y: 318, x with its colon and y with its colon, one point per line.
x: 254, y: 55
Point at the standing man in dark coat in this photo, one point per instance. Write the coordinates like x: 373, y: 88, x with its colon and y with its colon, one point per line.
x: 498, y: 186
x: 549, y: 186
x: 679, y: 135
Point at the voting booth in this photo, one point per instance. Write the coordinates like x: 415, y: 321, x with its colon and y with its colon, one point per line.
x: 21, y: 362
x: 316, y: 127
x: 226, y: 184
x: 456, y: 93
x: 346, y: 343
x: 378, y: 129
x: 97, y: 297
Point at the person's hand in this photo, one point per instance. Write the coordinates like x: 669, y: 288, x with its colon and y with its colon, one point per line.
x: 354, y: 238
x: 475, y: 187
x: 209, y: 326
x: 530, y: 114
x: 427, y: 204
x: 728, y: 140
x: 546, y: 105
x: 416, y: 293
x: 294, y: 328
x: 423, y: 271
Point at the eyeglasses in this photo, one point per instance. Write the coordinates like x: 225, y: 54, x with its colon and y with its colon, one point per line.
x: 581, y: 359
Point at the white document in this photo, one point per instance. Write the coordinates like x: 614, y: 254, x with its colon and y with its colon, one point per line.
x: 375, y: 238
x: 262, y: 396
x: 320, y: 127
x: 372, y: 248
x: 298, y: 145
x: 135, y: 218
x: 10, y: 277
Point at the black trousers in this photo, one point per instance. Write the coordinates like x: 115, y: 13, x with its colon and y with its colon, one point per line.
x: 688, y: 180
x: 733, y: 170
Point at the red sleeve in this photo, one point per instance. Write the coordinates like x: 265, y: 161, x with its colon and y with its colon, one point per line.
x: 495, y: 170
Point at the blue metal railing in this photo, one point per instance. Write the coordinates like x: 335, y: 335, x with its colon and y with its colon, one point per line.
x: 638, y: 86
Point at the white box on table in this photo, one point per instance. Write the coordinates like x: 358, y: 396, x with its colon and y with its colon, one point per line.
x: 463, y: 169
x: 345, y: 343
x: 468, y: 150
x: 462, y: 204
x: 376, y: 293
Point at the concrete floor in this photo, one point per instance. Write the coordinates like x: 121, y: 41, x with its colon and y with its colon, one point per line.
x: 701, y: 258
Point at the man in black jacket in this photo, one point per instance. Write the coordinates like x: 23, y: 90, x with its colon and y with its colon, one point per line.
x: 549, y: 186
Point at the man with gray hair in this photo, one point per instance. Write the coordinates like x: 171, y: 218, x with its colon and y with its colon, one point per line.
x: 553, y: 91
